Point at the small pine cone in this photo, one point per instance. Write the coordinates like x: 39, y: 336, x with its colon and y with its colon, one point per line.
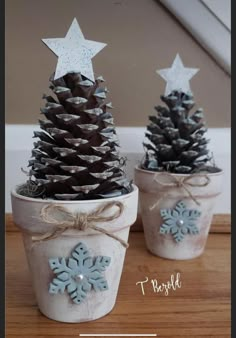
x: 176, y: 140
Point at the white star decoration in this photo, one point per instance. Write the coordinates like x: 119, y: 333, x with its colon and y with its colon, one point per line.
x: 177, y: 77
x: 74, y: 52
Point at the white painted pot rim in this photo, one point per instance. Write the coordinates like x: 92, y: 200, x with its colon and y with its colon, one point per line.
x: 151, y: 172
x: 102, y: 200
x: 32, y: 208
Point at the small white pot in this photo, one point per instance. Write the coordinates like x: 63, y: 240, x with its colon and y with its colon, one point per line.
x: 60, y: 307
x: 158, y: 191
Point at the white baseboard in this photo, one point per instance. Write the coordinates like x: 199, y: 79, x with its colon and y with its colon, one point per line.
x: 19, y: 143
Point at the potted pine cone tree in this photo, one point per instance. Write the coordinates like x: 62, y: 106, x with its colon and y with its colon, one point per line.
x: 76, y: 208
x: 178, y: 183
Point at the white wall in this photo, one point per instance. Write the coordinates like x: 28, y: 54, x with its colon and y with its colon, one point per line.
x: 19, y: 144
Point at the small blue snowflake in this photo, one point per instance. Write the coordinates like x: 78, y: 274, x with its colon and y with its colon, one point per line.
x: 179, y: 221
x: 79, y: 274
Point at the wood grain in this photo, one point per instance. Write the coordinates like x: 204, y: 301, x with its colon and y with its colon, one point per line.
x: 221, y: 223
x: 200, y: 308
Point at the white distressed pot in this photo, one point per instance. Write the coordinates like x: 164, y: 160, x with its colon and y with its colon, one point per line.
x: 157, y: 191
x: 26, y: 214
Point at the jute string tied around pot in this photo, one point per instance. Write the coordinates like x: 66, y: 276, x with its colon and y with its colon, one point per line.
x: 78, y: 220
x: 180, y: 182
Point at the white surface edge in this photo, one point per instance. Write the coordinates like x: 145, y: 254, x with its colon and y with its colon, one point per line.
x: 210, y: 32
x: 221, y: 9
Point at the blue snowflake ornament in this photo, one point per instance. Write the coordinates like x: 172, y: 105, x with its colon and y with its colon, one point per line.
x: 179, y: 221
x: 79, y: 274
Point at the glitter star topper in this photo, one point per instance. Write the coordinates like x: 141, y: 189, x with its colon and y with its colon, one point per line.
x: 74, y: 52
x: 177, y: 77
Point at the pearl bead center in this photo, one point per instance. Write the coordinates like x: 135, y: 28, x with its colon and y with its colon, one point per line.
x: 180, y: 222
x: 79, y: 277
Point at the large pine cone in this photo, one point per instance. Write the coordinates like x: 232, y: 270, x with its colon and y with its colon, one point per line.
x: 76, y: 157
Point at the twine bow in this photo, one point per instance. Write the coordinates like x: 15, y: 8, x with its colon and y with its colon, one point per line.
x: 78, y: 221
x: 180, y: 182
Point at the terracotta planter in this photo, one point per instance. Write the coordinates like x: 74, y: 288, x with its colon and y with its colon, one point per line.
x: 160, y: 191
x: 41, y: 255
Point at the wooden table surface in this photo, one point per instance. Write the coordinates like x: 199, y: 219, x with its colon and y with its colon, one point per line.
x: 200, y: 308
